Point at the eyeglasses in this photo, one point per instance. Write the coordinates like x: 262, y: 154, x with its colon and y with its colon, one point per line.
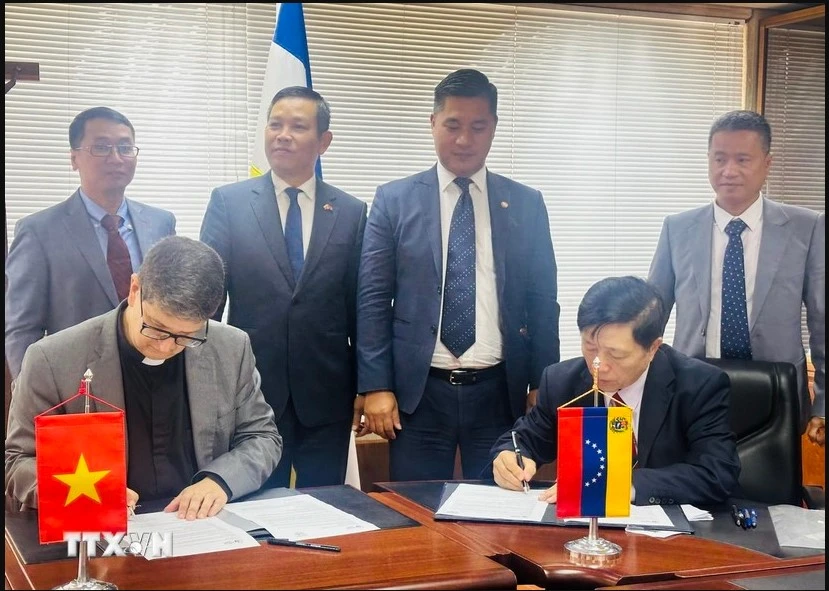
x: 104, y: 150
x: 182, y: 340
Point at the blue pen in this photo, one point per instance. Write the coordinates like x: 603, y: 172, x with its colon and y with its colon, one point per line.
x: 753, y: 518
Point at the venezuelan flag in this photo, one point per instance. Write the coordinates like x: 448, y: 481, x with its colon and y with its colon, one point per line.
x: 594, y: 461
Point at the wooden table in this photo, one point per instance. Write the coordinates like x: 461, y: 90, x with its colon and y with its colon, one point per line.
x: 795, y: 573
x: 537, y: 555
x: 404, y: 558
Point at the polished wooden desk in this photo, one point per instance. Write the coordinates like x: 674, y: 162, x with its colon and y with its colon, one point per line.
x: 405, y: 558
x: 794, y: 574
x: 537, y: 555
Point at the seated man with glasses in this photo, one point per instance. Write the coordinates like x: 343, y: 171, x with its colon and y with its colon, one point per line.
x: 73, y: 261
x: 199, y: 431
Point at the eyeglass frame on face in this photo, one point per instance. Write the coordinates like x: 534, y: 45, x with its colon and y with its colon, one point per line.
x: 120, y: 149
x: 192, y: 342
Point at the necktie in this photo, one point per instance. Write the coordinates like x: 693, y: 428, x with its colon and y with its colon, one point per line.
x: 458, y: 326
x: 734, y: 338
x: 617, y: 401
x: 118, y: 255
x: 293, y: 233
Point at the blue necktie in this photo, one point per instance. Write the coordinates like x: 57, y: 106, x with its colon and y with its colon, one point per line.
x: 734, y: 339
x: 458, y: 326
x: 293, y: 233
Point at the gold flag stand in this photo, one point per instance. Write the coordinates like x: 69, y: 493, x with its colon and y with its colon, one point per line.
x: 593, y: 550
x: 83, y: 581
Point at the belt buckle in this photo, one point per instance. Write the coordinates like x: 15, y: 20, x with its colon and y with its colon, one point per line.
x: 452, y: 378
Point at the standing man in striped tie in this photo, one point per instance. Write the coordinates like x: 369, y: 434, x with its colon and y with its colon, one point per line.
x: 740, y: 269
x: 73, y: 261
x: 457, y: 312
x: 291, y: 245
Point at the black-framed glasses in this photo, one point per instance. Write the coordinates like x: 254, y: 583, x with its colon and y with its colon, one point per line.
x: 182, y: 340
x: 104, y: 150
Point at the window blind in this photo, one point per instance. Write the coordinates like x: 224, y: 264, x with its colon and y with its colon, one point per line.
x: 606, y: 114
x: 795, y: 106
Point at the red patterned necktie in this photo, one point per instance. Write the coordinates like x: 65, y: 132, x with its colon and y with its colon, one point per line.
x: 617, y: 401
x: 118, y: 255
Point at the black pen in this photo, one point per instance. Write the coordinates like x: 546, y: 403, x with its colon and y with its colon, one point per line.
x: 299, y: 544
x: 519, y: 459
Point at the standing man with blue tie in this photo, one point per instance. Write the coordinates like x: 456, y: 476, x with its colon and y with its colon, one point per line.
x: 457, y: 313
x: 291, y: 247
x: 73, y: 261
x: 740, y: 268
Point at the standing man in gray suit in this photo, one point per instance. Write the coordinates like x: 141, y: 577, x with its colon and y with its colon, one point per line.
x: 740, y: 268
x: 198, y: 429
x: 457, y: 312
x: 291, y: 246
x: 73, y: 261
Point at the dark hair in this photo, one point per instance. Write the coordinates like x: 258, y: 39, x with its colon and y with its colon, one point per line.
x: 184, y: 277
x: 619, y: 300
x: 323, y: 108
x: 468, y: 83
x: 743, y: 121
x: 78, y: 126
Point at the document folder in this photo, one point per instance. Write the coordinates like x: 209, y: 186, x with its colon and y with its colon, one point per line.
x: 679, y: 522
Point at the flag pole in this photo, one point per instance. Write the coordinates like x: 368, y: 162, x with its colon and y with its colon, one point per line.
x: 593, y: 550
x: 83, y: 581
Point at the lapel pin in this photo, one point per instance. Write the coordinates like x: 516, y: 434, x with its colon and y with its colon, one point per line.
x: 504, y: 204
x: 328, y: 207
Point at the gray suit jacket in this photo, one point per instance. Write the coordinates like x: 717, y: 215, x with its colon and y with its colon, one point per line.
x: 790, y: 270
x: 57, y: 274
x: 234, y: 434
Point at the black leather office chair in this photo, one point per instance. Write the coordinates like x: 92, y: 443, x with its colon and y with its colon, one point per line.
x: 764, y: 416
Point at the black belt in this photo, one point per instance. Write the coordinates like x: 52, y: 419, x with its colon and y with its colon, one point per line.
x: 464, y: 377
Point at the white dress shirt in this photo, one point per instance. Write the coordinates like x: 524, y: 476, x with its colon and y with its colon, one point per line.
x: 305, y: 199
x: 753, y: 218
x: 488, y: 346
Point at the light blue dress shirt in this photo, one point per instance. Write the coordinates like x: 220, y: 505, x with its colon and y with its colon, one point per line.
x: 126, y: 230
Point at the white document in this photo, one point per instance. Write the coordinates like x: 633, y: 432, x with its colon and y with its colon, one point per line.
x: 493, y: 502
x: 696, y: 514
x: 651, y: 516
x: 199, y: 536
x: 653, y: 533
x: 798, y: 527
x: 299, y: 517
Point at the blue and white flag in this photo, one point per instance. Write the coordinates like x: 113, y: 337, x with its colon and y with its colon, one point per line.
x: 288, y: 65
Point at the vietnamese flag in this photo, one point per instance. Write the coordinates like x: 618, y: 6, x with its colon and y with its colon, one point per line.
x: 594, y: 461
x: 81, y: 474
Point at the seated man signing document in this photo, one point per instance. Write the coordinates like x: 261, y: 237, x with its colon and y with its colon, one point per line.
x: 198, y: 428
x: 684, y: 451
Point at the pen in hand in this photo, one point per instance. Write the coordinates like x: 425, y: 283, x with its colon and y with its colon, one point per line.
x: 520, y: 460
x: 300, y: 544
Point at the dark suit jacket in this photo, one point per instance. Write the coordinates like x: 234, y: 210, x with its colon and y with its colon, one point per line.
x: 400, y: 286
x: 686, y: 451
x: 302, y: 333
x: 57, y: 273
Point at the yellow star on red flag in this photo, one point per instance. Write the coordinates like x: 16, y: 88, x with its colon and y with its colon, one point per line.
x: 82, y: 482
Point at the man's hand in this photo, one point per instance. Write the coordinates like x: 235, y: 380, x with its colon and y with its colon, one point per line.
x: 508, y: 474
x: 532, y: 399
x: 358, y: 424
x: 203, y: 499
x: 816, y: 430
x: 550, y: 495
x: 381, y: 413
x: 132, y: 501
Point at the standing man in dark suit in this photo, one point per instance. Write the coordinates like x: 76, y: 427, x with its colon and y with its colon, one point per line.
x: 291, y: 247
x: 73, y: 261
x: 740, y: 294
x: 685, y: 451
x: 457, y: 311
